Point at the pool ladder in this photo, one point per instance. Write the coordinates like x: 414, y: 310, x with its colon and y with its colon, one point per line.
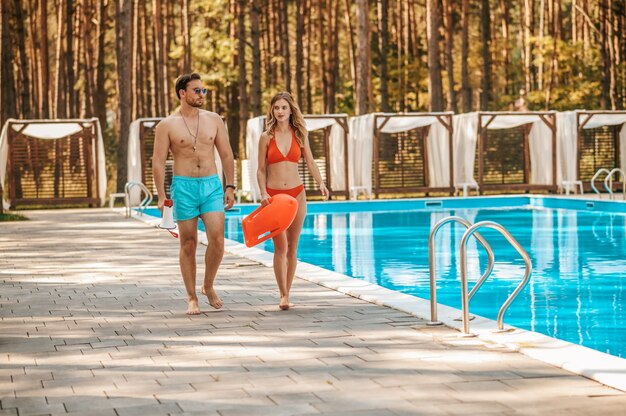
x: 608, y: 182
x: 144, y: 202
x: 465, y: 296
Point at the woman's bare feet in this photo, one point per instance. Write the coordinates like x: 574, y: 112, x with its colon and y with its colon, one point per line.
x: 284, y: 303
x: 192, y: 307
x: 214, y: 299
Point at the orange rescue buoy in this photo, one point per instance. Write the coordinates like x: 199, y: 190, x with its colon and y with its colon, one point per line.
x: 267, y: 221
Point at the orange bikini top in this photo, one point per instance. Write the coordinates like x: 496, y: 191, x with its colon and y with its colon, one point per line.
x: 274, y: 155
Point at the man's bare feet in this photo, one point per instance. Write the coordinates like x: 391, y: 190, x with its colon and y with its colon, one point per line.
x: 284, y: 303
x: 192, y: 307
x: 211, y: 295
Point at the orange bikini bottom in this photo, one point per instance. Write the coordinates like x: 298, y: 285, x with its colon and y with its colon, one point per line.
x: 294, y: 192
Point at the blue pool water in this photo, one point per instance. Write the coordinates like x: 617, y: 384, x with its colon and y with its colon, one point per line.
x: 578, y: 252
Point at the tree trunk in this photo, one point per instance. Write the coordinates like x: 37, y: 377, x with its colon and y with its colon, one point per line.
x: 44, y: 80
x: 401, y: 62
x: 309, y: 37
x: 84, y: 58
x: 7, y: 92
x: 144, y: 69
x: 232, y: 93
x: 505, y: 5
x: 300, y: 11
x: 243, y: 82
x: 77, y: 56
x: 611, y: 50
x: 100, y: 93
x: 134, y: 63
x: 35, y: 93
x: 351, y: 51
x: 466, y: 90
x: 59, y: 96
x: 449, y: 24
x: 267, y: 48
x: 23, y: 75
x: 575, y: 24
x: 324, y: 43
x: 525, y: 31
x: 167, y: 42
x: 363, y: 59
x: 435, y: 87
x: 186, y: 37
x: 274, y: 25
x: 586, y: 34
x: 485, y: 34
x: 255, y: 34
x: 605, y: 100
x: 333, y: 64
x: 383, y: 45
x: 123, y: 23
x: 285, y: 44
x: 69, y: 61
x: 542, y: 18
x: 157, y: 38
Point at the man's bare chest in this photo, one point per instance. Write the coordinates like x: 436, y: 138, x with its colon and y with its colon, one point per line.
x: 192, y: 135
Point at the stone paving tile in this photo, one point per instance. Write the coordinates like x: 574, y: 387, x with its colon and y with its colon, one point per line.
x: 93, y: 323
x: 482, y: 408
x: 92, y: 412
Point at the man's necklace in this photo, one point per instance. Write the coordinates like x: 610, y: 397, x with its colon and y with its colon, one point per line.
x: 195, y: 136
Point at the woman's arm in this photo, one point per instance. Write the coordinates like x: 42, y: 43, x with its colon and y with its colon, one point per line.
x: 315, y: 172
x: 261, y: 172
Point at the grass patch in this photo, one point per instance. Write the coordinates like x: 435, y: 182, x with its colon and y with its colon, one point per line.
x: 12, y: 217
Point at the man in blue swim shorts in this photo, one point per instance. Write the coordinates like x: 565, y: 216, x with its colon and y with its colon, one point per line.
x: 193, y: 135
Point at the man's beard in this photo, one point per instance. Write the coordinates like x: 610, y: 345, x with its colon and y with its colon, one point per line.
x: 196, y: 103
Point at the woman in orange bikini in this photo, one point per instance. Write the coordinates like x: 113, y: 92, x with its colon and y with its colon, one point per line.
x: 283, y: 143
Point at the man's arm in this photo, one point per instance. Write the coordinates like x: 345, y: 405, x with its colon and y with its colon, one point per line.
x: 159, y: 157
x: 222, y: 144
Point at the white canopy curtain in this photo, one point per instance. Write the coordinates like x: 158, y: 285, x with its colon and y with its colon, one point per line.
x: 133, y: 159
x: 595, y: 119
x: 53, y: 130
x: 566, y: 135
x: 361, y: 141
x: 466, y: 136
x: 256, y: 126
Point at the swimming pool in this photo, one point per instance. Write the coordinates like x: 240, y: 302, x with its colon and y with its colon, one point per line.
x: 577, y: 249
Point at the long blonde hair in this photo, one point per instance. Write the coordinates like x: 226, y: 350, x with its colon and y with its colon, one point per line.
x: 296, y: 120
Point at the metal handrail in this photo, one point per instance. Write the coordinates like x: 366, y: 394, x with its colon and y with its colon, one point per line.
x: 143, y: 204
x: 463, y: 254
x: 609, y: 179
x: 595, y: 176
x: 432, y: 263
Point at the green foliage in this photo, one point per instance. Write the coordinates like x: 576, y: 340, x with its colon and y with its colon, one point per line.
x: 213, y: 50
x: 8, y: 216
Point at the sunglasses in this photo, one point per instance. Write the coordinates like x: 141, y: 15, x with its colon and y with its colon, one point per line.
x: 199, y: 90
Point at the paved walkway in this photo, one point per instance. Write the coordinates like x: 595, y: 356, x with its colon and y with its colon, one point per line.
x: 92, y: 322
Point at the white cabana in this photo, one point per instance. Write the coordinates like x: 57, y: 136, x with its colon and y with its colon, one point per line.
x: 587, y: 120
x: 139, y: 159
x: 54, y: 130
x: 470, y: 132
x: 364, y: 136
x: 336, y: 174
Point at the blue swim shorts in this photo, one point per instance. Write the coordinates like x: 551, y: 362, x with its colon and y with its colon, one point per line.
x: 195, y: 196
